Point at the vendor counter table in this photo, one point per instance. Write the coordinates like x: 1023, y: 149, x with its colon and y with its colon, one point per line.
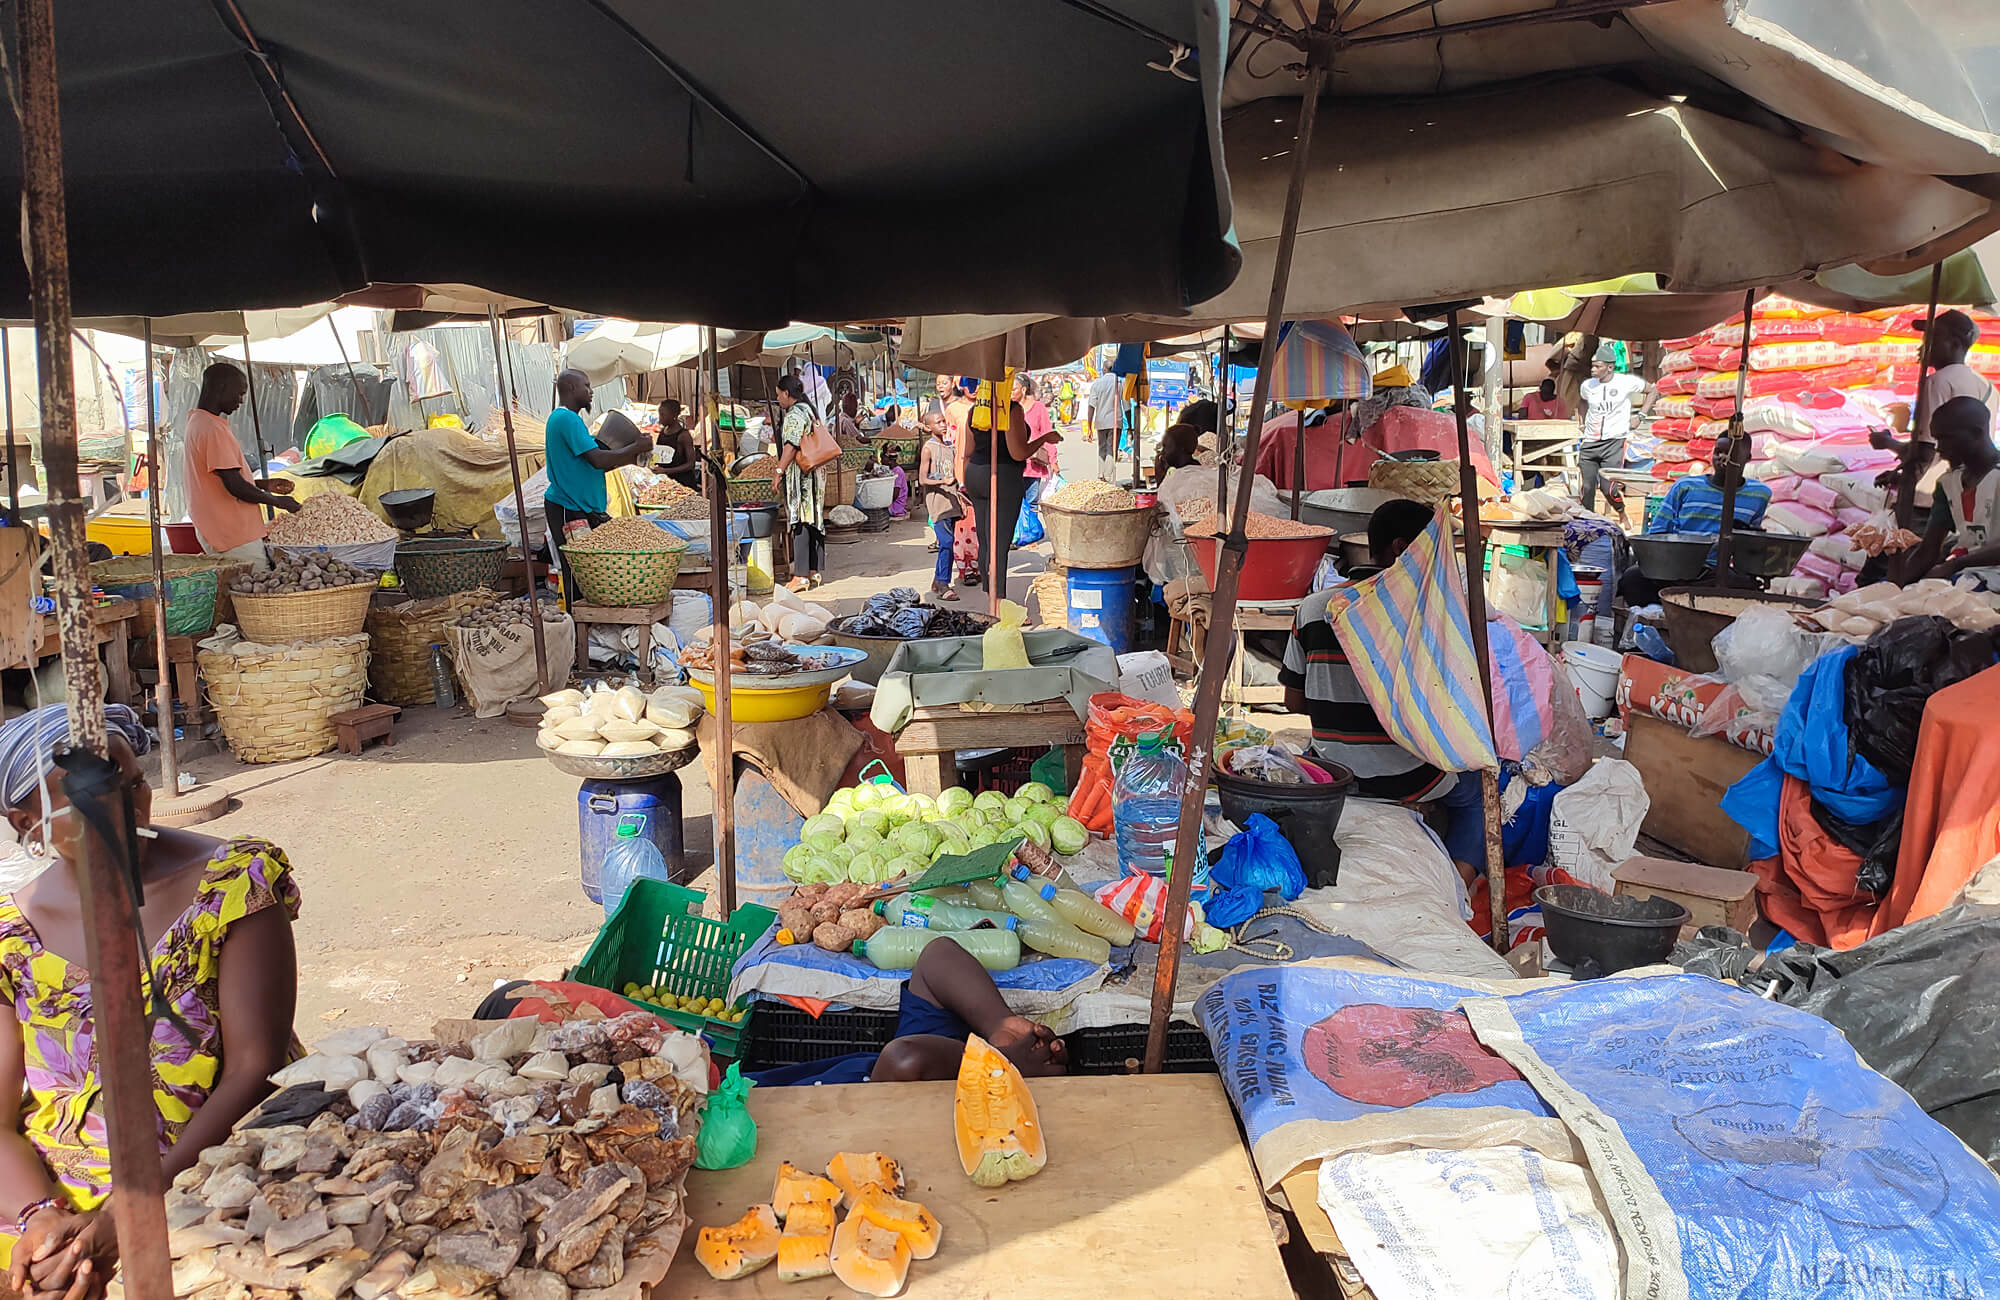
x: 1546, y: 538
x: 640, y: 616
x: 934, y: 734
x: 1148, y: 1192
x: 1254, y: 616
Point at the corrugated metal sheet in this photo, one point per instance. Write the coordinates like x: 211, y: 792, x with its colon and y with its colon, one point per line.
x: 466, y: 354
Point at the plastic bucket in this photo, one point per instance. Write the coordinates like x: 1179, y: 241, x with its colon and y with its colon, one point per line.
x: 757, y: 520
x: 1306, y: 815
x: 1595, y: 671
x: 602, y: 806
x: 1613, y: 933
x: 1273, y: 569
x: 875, y: 492
x: 1100, y: 605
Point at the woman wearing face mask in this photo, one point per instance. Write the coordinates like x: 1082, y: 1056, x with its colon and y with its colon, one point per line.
x: 218, y: 915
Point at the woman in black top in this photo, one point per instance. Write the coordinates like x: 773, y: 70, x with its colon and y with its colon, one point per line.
x: 999, y: 503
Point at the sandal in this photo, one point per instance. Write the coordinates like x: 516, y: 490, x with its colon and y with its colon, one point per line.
x: 799, y: 584
x: 943, y: 591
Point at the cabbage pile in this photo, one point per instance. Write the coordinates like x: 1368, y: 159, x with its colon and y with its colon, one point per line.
x: 869, y: 834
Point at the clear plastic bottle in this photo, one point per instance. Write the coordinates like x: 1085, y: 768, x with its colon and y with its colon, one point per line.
x: 986, y: 894
x: 1061, y: 939
x: 897, y: 947
x: 1092, y: 917
x: 1029, y: 899
x: 1146, y: 812
x: 630, y: 857
x: 922, y: 912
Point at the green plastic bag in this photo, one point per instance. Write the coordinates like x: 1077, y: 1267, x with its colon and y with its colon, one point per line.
x: 728, y: 1136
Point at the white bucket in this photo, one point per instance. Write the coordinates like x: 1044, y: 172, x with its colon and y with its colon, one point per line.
x: 1594, y: 669
x: 875, y: 493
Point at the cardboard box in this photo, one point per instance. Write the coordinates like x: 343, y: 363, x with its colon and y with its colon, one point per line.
x: 1711, y: 895
x: 1686, y: 776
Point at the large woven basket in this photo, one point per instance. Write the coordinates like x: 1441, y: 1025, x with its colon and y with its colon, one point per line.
x: 625, y: 577
x: 858, y: 457
x: 1425, y: 481
x: 439, y: 566
x: 745, y: 490
x: 400, y: 638
x: 192, y: 581
x: 274, y: 701
x: 303, y: 615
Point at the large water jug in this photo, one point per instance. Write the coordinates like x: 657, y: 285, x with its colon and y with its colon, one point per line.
x: 1146, y: 813
x: 631, y: 857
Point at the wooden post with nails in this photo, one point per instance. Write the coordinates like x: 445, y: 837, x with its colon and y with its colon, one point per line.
x: 722, y: 764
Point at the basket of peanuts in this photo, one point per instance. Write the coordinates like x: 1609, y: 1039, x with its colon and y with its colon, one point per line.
x: 1282, y: 556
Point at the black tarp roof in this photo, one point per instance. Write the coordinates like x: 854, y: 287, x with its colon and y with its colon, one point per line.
x: 743, y: 162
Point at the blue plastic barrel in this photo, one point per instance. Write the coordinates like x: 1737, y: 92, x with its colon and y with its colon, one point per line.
x: 652, y: 804
x: 1100, y: 605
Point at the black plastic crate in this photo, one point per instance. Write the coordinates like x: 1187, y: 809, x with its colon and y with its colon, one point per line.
x: 1106, y: 1049
x: 776, y: 1033
x: 1004, y: 770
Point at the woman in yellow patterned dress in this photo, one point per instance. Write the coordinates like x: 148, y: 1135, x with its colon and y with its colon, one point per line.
x: 219, y: 917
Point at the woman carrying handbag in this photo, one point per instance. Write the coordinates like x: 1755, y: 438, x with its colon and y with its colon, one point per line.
x: 804, y: 446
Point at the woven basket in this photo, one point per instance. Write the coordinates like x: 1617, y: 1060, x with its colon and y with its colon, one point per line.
x: 858, y: 457
x: 274, y: 701
x: 192, y: 581
x: 625, y: 577
x: 303, y: 615
x: 745, y: 490
x: 400, y: 638
x: 439, y: 566
x: 1426, y: 481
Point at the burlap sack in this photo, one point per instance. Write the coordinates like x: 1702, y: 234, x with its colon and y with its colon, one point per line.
x: 496, y: 665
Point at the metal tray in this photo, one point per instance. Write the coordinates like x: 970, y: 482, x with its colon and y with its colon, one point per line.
x: 622, y: 769
x: 740, y: 681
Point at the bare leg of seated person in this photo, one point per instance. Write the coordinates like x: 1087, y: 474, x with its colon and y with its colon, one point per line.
x: 947, y: 977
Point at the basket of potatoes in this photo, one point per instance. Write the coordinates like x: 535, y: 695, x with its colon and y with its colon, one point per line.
x: 302, y: 597
x: 620, y: 733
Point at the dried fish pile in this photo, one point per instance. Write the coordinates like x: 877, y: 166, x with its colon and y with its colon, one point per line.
x: 503, y: 1159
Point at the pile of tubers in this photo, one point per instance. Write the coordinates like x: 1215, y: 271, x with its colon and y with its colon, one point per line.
x: 294, y: 572
x: 833, y: 917
x: 507, y: 613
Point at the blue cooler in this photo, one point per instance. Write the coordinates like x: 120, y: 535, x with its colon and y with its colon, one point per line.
x: 1100, y: 605
x: 652, y: 804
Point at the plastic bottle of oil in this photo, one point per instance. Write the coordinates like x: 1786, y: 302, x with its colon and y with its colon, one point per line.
x: 922, y: 912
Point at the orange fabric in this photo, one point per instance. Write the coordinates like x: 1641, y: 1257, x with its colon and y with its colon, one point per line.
x: 1951, y: 824
x: 223, y: 522
x: 814, y: 1007
x: 1809, y: 887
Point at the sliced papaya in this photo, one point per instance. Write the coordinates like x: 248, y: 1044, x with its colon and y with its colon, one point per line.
x: 811, y: 1218
x: 868, y: 1258
x: 797, y: 1187
x: 915, y: 1224
x: 994, y: 1119
x: 741, y: 1248
x: 854, y: 1169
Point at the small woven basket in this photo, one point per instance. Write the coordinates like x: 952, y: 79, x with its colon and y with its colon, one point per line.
x: 1426, y: 481
x: 439, y: 566
x: 303, y: 615
x: 745, y: 490
x: 274, y: 701
x: 625, y: 577
x: 400, y: 638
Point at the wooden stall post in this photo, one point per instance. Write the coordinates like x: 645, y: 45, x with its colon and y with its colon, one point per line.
x: 256, y: 422
x: 111, y: 945
x: 1494, y: 375
x: 156, y: 483
x: 520, y: 504
x: 13, y: 469
x: 1221, y: 633
x: 722, y: 764
x: 996, y: 558
x: 1475, y: 609
x: 1725, y: 543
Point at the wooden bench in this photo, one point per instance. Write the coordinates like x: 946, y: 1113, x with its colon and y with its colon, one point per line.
x: 357, y: 727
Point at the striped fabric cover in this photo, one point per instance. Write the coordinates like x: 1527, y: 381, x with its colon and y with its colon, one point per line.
x: 1318, y: 360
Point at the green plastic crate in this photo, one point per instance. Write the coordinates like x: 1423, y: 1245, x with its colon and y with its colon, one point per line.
x: 658, y: 937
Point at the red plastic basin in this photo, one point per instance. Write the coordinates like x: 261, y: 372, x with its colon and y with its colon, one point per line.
x: 1280, y: 569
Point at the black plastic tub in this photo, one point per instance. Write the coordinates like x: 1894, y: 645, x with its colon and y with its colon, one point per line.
x: 1306, y: 815
x: 757, y: 518
x: 1592, y: 932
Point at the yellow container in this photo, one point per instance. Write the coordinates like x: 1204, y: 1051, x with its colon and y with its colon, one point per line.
x: 124, y: 534
x: 787, y: 704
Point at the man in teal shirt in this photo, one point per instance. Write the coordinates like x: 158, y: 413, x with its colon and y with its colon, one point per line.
x: 577, y: 462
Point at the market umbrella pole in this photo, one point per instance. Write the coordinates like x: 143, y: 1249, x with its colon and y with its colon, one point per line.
x: 13, y: 469
x: 156, y: 482
x: 1221, y: 635
x: 111, y: 946
x: 520, y: 504
x: 1920, y: 425
x: 1475, y: 609
x: 367, y: 413
x: 721, y: 553
x: 1725, y: 543
x: 256, y: 421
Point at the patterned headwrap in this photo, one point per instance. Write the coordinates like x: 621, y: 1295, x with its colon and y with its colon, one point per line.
x: 28, y: 745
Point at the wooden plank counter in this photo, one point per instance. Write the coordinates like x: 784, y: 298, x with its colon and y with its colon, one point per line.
x: 1148, y: 1192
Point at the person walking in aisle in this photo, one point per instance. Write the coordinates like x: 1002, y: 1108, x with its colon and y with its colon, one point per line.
x: 805, y: 490
x: 1106, y: 411
x: 941, y: 499
x: 1607, y: 419
x: 1041, y: 466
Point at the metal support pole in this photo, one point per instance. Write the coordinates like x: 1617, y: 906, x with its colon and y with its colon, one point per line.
x: 521, y: 507
x: 722, y: 754
x: 367, y: 413
x: 1728, y: 477
x: 13, y: 469
x: 256, y: 421
x: 996, y: 559
x: 1496, y: 368
x: 1225, y: 428
x: 123, y: 1032
x: 156, y: 483
x: 1475, y: 609
x: 1221, y: 635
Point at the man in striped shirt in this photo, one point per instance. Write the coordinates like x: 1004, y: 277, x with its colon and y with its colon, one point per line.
x: 1694, y: 503
x: 1320, y: 683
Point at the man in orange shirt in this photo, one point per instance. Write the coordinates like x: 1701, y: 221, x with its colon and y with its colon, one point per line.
x: 223, y: 500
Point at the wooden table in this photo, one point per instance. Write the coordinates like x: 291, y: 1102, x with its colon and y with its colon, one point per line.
x: 1546, y: 538
x: 1301, y: 1188
x: 640, y: 616
x: 113, y: 623
x: 1546, y: 448
x: 935, y: 733
x: 1148, y: 1193
x: 1260, y: 616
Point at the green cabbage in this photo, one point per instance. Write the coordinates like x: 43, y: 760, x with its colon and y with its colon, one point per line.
x: 823, y: 822
x: 1035, y: 792
x: 954, y: 801
x: 1067, y: 835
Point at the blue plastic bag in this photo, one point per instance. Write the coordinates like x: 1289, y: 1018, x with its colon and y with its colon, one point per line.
x: 1028, y: 528
x: 1257, y: 860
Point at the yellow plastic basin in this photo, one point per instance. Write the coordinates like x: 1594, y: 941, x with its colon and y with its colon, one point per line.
x: 787, y: 704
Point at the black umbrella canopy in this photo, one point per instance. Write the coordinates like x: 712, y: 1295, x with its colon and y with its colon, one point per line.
x: 746, y: 162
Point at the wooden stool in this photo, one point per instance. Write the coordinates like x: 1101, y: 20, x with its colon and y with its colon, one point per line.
x: 640, y: 616
x: 357, y: 727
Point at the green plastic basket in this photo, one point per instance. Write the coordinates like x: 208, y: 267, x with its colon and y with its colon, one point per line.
x: 658, y: 937
x: 442, y: 566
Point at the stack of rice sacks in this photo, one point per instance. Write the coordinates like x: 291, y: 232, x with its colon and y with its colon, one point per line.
x: 1818, y: 381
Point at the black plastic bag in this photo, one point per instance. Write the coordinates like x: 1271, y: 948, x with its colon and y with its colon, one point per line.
x: 1894, y: 676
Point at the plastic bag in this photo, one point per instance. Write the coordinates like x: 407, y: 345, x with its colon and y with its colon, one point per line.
x: 1001, y: 645
x: 1594, y: 825
x: 1140, y: 899
x: 1518, y: 586
x: 728, y: 1136
x: 1895, y: 675
x: 1272, y: 763
x: 1765, y: 642
x: 1257, y: 860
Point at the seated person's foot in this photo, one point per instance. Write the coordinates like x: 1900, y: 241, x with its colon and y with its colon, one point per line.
x: 1034, y: 1049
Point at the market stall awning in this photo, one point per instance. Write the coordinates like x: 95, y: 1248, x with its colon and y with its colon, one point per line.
x: 748, y: 163
x: 822, y: 345
x: 207, y: 328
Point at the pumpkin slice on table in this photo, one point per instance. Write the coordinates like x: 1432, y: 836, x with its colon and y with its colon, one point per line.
x: 740, y: 1248
x: 797, y: 1187
x: 993, y: 1116
x: 853, y: 1170
x: 915, y: 1224
x: 868, y: 1258
x: 803, y: 1256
